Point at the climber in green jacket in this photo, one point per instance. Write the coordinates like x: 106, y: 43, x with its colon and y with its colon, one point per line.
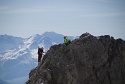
x: 66, y: 40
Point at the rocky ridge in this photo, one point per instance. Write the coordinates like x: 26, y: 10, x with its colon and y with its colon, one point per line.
x: 87, y: 60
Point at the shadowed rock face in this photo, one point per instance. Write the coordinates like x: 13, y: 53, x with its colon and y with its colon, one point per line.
x: 87, y: 60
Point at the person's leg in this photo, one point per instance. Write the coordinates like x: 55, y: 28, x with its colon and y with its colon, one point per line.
x: 39, y: 59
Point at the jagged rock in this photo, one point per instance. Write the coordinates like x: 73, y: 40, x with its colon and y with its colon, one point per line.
x: 87, y: 60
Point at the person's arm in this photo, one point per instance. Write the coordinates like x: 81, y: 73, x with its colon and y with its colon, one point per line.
x: 42, y: 52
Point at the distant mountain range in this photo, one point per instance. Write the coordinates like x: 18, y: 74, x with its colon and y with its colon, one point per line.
x: 18, y: 55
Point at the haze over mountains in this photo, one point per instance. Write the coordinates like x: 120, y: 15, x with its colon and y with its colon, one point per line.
x: 19, y: 55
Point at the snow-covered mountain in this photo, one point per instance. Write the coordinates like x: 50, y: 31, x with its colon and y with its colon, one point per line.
x: 9, y: 42
x: 18, y: 55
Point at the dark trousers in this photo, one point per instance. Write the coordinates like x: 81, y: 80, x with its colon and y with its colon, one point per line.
x: 39, y: 58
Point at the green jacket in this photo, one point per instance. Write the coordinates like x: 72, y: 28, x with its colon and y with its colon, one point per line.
x: 66, y: 40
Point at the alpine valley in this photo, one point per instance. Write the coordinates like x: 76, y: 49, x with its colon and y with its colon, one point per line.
x: 18, y: 56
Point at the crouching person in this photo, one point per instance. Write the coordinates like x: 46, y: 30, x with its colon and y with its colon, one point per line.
x: 66, y: 40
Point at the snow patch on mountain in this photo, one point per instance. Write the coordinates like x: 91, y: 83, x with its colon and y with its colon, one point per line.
x: 34, y: 53
x: 18, y: 55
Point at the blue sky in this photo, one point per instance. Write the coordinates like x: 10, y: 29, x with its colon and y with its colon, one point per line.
x: 24, y: 18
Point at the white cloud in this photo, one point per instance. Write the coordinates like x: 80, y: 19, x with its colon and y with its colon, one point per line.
x: 3, y: 8
x: 20, y: 10
x: 104, y: 0
x: 113, y: 14
x: 39, y: 9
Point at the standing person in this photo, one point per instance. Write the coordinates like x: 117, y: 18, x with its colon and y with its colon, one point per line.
x: 40, y: 53
x: 66, y: 40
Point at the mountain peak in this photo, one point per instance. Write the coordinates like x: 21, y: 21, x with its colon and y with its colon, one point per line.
x: 19, y: 55
x: 86, y: 60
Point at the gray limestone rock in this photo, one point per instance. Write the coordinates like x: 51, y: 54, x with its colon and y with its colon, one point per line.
x: 87, y: 60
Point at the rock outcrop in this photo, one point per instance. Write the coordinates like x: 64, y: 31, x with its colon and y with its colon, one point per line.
x: 87, y: 60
